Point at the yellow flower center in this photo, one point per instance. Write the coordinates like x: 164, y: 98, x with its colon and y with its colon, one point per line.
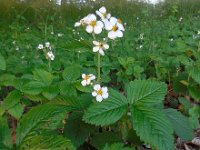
x: 104, y: 14
x: 119, y: 21
x: 101, y: 45
x: 86, y: 77
x: 115, y: 28
x: 99, y: 92
x: 93, y: 23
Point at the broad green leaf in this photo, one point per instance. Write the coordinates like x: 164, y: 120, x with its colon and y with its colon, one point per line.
x: 43, y: 76
x: 5, y: 135
x: 12, y: 99
x: 7, y: 80
x: 16, y: 111
x: 76, y: 130
x: 33, y: 88
x: 47, y: 140
x: 101, y: 139
x: 180, y: 123
x: 71, y: 73
x: 117, y: 146
x: 194, y: 113
x: 152, y: 126
x: 108, y: 111
x: 2, y: 63
x: 50, y: 92
x: 195, y: 74
x: 146, y: 92
x: 67, y: 88
x: 34, y: 117
x: 194, y: 92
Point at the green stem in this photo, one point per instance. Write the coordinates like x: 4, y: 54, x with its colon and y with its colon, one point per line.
x: 99, y: 69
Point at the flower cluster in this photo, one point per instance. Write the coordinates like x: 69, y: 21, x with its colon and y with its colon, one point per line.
x: 47, y: 50
x: 114, y: 28
x: 111, y: 24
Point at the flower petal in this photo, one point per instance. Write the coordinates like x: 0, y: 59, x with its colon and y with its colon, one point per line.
x: 113, y: 20
x: 108, y: 25
x: 112, y: 35
x: 105, y: 95
x: 92, y: 17
x: 120, y: 26
x: 102, y: 10
x: 83, y: 75
x: 101, y: 52
x: 96, y: 43
x: 104, y: 89
x: 88, y: 81
x: 95, y: 49
x: 94, y: 93
x: 100, y: 24
x: 99, y: 98
x: 84, y: 83
x: 97, y: 30
x: 92, y: 77
x: 119, y: 33
x: 97, y: 87
x: 89, y: 29
x: 77, y: 24
x: 106, y: 46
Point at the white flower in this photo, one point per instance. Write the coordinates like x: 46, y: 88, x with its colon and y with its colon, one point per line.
x: 103, y: 13
x: 115, y: 28
x: 94, y: 26
x: 82, y: 22
x: 180, y: 19
x: 141, y: 36
x: 198, y: 32
x: 17, y: 48
x: 40, y: 46
x: 100, y: 47
x: 47, y: 44
x: 60, y: 34
x: 100, y: 92
x: 87, y: 79
x: 58, y: 2
x: 50, y: 55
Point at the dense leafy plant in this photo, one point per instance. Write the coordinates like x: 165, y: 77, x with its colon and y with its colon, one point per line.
x: 151, y: 73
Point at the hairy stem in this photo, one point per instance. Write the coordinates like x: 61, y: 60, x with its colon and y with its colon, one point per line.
x: 99, y: 69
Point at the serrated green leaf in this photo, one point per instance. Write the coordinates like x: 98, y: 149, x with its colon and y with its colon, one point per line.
x: 194, y: 113
x: 195, y: 74
x: 180, y: 123
x: 108, y: 111
x: 71, y: 73
x: 12, y: 99
x: 43, y: 76
x: 152, y: 126
x: 34, y: 117
x: 50, y: 92
x: 146, y: 92
x: 117, y: 146
x: 47, y: 140
x: 76, y: 130
x: 16, y: 111
x: 5, y: 135
x: 67, y: 88
x: 101, y: 139
x: 33, y: 88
